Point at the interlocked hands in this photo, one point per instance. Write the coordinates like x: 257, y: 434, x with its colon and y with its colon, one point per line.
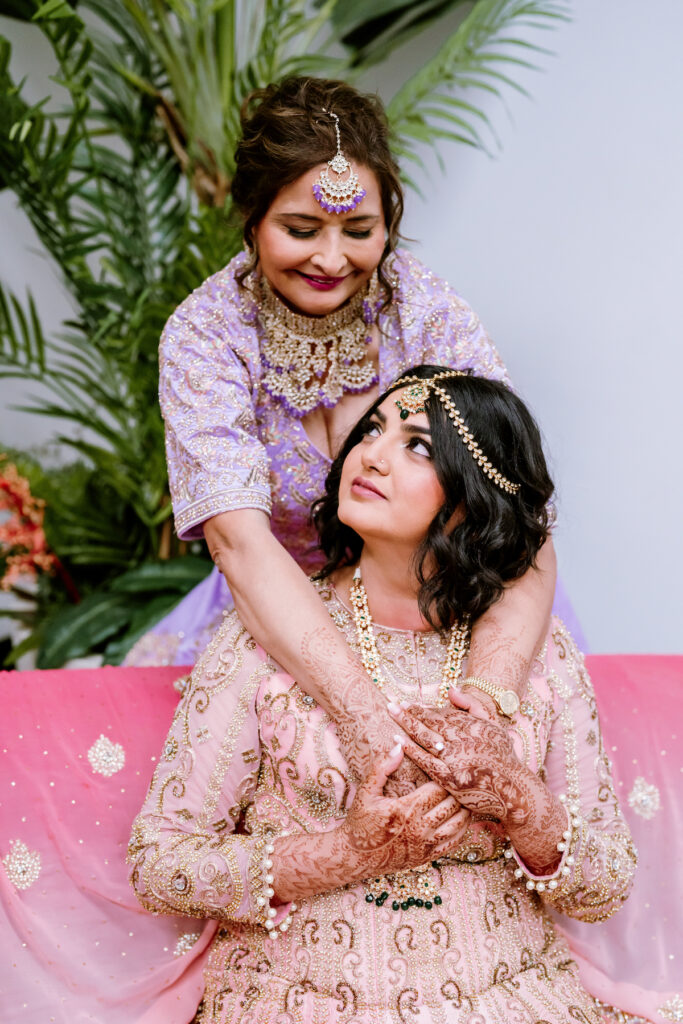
x: 469, y: 755
x: 393, y: 833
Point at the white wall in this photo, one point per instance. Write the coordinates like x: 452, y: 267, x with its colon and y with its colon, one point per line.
x: 569, y: 246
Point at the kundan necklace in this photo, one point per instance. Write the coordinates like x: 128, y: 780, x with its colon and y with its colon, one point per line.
x: 458, y: 644
x: 312, y: 361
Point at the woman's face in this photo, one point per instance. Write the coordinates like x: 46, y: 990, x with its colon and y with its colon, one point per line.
x: 388, y: 488
x: 316, y: 260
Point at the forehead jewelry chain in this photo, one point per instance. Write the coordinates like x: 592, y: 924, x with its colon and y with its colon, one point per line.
x: 339, y: 194
x: 417, y: 392
x: 458, y: 644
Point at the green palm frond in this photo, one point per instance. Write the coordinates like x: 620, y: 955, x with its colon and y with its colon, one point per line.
x: 127, y: 189
x: 480, y: 55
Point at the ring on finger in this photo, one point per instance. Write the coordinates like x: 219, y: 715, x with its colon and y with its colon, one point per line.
x: 439, y: 746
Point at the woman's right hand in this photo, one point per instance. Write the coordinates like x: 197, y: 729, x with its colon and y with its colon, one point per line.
x: 388, y: 833
x: 380, y: 835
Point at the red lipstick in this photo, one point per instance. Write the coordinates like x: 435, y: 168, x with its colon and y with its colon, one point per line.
x: 321, y: 283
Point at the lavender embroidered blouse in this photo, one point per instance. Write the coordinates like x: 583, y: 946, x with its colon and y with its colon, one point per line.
x: 229, y: 445
x: 249, y: 755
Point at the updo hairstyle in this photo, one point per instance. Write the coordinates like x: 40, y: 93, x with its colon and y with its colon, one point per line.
x: 285, y: 133
x: 462, y: 571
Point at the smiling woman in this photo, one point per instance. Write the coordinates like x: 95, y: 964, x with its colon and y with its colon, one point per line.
x: 265, y: 368
x: 316, y: 260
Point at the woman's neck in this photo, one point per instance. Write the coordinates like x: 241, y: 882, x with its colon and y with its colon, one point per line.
x: 391, y: 588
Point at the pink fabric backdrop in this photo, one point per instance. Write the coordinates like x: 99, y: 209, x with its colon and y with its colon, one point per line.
x: 76, y: 945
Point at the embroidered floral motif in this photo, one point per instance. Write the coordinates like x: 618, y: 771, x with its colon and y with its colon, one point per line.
x: 673, y: 1008
x: 644, y: 799
x: 106, y: 758
x: 170, y: 748
x: 185, y: 943
x: 21, y: 864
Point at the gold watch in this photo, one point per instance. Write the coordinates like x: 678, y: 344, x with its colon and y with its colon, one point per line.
x: 507, y: 701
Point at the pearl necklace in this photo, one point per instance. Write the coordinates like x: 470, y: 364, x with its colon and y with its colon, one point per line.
x: 458, y: 644
x: 312, y: 361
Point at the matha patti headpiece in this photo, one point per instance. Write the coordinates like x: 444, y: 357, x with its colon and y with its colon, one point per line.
x: 338, y: 195
x: 414, y: 401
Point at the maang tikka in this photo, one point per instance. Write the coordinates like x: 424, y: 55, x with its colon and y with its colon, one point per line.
x: 338, y: 195
x: 413, y: 401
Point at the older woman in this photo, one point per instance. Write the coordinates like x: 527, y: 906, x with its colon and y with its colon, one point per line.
x: 337, y: 902
x: 268, y: 364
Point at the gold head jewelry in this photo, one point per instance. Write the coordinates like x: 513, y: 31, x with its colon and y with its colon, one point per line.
x: 419, y: 389
x: 339, y: 194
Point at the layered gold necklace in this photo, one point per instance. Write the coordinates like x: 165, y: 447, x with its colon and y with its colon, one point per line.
x: 458, y: 644
x: 312, y: 361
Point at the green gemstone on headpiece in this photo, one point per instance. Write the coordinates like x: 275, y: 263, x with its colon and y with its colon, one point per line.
x: 404, y: 413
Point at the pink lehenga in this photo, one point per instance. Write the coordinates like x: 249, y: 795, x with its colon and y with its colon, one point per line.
x: 250, y: 756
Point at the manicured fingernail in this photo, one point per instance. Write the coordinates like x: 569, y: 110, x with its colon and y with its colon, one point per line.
x: 405, y: 704
x: 438, y: 746
x: 395, y: 751
x: 399, y: 739
x: 393, y: 707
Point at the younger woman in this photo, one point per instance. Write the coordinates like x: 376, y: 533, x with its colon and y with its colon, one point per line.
x: 338, y: 902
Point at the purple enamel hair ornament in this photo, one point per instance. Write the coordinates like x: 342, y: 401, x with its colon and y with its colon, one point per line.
x: 342, y: 193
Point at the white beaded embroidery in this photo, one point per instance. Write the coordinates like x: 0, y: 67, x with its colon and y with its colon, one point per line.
x: 106, y: 758
x: 185, y: 943
x: 21, y: 864
x: 673, y: 1008
x: 644, y: 798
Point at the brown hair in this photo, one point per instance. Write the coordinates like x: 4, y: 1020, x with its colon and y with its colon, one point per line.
x: 285, y: 133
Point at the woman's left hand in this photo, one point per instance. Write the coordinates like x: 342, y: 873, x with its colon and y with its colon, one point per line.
x: 469, y: 755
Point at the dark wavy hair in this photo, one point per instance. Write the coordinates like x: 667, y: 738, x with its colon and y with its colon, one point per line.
x: 285, y: 133
x: 462, y: 571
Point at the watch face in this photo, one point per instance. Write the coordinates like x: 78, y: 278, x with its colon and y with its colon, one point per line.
x: 509, y: 702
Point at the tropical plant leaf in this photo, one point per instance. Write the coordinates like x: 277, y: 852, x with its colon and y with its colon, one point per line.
x: 75, y: 631
x: 468, y: 60
x: 179, y: 575
x: 127, y: 189
x: 143, y: 619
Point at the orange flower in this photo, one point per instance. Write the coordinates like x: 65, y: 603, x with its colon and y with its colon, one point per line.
x: 22, y: 538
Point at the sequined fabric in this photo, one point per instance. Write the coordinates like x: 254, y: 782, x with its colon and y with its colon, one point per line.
x: 229, y: 445
x: 249, y: 753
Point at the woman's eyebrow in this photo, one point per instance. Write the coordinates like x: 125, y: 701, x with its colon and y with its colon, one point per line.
x: 299, y: 216
x: 412, y: 428
x: 361, y: 217
x: 369, y: 218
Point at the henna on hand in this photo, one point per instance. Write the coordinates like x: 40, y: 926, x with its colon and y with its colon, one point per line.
x: 380, y: 835
x: 364, y: 727
x: 478, y: 766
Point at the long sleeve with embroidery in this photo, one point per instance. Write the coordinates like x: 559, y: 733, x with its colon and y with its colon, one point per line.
x: 598, y: 862
x: 185, y: 855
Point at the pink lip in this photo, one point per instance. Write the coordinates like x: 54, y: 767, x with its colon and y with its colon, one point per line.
x: 322, y: 284
x: 364, y: 489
